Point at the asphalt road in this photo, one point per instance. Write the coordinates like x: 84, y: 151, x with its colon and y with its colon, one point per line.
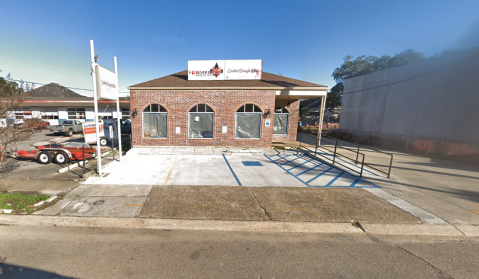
x: 47, y: 252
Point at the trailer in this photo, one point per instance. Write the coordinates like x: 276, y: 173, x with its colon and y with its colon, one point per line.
x: 59, y: 153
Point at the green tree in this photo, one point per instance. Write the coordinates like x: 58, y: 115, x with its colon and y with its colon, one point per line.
x: 362, y: 65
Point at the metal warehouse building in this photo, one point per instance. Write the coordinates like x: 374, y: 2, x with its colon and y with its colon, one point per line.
x: 429, y: 106
x: 177, y: 111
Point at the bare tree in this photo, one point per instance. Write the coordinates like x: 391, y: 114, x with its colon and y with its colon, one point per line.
x: 12, y: 95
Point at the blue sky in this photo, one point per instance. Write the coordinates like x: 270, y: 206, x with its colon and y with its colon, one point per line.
x: 48, y: 41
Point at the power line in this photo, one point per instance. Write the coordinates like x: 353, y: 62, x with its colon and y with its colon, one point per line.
x: 34, y: 64
x: 72, y: 88
x: 27, y: 69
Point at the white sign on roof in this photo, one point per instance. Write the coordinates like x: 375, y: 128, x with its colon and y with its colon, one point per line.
x: 206, y: 70
x: 243, y: 69
x: 107, y: 83
x: 225, y: 69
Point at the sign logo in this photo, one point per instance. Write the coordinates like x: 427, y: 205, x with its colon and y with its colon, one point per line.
x: 216, y: 70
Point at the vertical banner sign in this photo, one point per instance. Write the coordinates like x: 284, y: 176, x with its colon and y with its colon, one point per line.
x: 107, y: 84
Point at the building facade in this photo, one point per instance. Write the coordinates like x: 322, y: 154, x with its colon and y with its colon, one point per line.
x: 55, y: 104
x: 175, y: 111
x: 428, y: 106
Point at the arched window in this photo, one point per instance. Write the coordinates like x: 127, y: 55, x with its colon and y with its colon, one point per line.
x: 248, y: 122
x: 155, y: 122
x: 280, y: 124
x: 200, y: 122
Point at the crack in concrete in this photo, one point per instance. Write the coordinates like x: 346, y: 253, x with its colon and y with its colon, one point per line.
x: 412, y: 254
x: 424, y: 260
x: 259, y: 204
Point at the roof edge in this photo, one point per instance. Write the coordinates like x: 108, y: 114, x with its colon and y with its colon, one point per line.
x: 322, y: 88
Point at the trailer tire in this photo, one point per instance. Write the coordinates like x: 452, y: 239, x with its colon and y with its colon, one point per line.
x: 61, y: 158
x: 69, y: 133
x: 103, y: 141
x: 44, y: 158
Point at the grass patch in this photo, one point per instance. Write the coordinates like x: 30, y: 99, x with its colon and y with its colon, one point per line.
x: 20, y: 202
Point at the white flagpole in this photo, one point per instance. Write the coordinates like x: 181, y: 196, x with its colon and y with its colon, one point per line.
x: 118, y: 112
x: 95, y: 102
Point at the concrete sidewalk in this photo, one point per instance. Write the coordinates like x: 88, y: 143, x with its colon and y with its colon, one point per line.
x: 280, y: 209
x: 447, y: 189
x: 156, y: 203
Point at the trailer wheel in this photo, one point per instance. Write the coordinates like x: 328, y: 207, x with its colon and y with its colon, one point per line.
x: 61, y: 158
x: 44, y: 158
x: 69, y: 133
x: 103, y: 141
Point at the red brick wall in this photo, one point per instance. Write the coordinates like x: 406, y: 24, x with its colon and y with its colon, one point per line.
x: 293, y: 108
x: 224, y: 104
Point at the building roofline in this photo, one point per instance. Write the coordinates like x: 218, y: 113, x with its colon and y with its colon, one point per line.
x: 325, y: 88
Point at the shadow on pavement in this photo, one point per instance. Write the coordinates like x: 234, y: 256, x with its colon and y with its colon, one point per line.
x: 8, y: 165
x: 460, y: 193
x: 15, y: 271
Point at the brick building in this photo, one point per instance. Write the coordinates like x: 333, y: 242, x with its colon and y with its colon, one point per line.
x: 175, y: 111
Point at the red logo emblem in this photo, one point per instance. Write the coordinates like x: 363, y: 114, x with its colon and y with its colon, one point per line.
x: 216, y: 70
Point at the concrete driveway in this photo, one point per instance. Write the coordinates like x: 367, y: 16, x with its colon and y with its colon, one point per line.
x: 161, y: 166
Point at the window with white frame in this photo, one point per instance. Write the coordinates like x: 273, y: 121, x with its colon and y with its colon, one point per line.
x: 200, y: 122
x: 155, y: 122
x: 280, y: 124
x: 248, y: 122
x: 23, y: 113
x: 76, y: 113
x: 49, y: 113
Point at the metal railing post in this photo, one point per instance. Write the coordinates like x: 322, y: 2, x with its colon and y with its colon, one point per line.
x: 83, y: 154
x: 335, y: 147
x: 357, y: 154
x: 362, y: 167
x: 390, y: 165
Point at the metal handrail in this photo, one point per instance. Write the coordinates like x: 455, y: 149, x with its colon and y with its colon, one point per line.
x: 388, y: 173
x: 335, y: 153
x: 356, y: 150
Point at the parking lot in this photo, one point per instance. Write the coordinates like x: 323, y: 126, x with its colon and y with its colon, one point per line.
x: 18, y: 174
x: 184, y: 166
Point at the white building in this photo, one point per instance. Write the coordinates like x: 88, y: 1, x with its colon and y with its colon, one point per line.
x: 55, y: 104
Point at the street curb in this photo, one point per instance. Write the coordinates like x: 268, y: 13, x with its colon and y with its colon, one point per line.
x: 251, y: 226
x: 70, y: 167
x: 177, y: 224
x: 414, y: 229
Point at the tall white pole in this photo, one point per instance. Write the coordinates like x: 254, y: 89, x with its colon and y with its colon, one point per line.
x: 95, y: 102
x: 118, y: 113
x: 320, y: 122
